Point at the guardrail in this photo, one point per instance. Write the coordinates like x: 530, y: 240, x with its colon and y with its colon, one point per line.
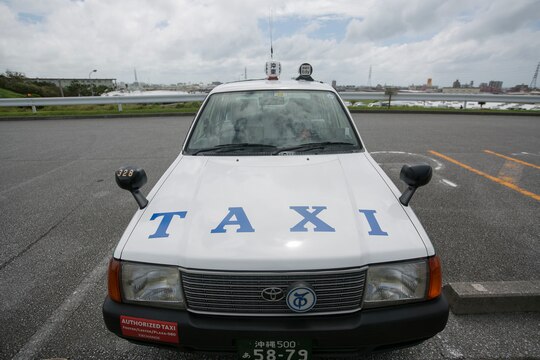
x: 354, y: 96
x: 102, y: 100
x: 405, y: 96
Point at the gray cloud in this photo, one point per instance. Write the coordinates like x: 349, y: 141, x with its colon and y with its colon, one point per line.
x: 173, y: 41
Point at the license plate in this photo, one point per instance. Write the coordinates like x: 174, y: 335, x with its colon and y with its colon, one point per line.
x: 262, y: 349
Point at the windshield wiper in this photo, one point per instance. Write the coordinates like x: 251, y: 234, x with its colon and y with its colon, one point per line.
x: 312, y: 146
x: 232, y: 147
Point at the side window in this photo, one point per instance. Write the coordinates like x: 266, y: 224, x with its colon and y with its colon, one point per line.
x: 336, y: 126
x: 204, y: 133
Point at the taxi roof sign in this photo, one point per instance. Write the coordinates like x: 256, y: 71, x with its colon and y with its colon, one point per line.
x: 273, y: 69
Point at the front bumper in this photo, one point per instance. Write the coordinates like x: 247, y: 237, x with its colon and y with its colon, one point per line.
x: 365, y: 331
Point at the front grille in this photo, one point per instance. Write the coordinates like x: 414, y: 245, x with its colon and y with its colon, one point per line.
x: 237, y: 293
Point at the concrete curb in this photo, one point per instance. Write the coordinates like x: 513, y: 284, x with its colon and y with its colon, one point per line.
x: 493, y: 297
x: 445, y: 112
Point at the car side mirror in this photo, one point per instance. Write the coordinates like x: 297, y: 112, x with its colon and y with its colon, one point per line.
x: 414, y: 176
x: 132, y: 178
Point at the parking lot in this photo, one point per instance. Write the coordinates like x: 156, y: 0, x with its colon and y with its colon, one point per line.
x: 62, y: 215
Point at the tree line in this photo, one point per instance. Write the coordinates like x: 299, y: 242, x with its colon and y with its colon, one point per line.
x: 19, y: 83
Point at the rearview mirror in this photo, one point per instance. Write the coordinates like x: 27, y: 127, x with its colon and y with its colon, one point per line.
x: 132, y: 178
x: 414, y: 176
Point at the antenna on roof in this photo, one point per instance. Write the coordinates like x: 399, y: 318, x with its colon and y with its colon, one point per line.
x: 270, y: 25
x: 272, y: 68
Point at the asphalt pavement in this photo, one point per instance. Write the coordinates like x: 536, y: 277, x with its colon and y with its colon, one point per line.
x: 62, y: 214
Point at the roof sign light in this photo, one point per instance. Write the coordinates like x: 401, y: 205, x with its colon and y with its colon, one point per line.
x: 273, y: 69
x: 305, y: 70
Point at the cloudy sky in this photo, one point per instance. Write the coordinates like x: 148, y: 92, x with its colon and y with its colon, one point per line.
x: 170, y: 41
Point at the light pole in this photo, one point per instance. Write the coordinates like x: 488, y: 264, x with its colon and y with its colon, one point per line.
x: 89, y: 76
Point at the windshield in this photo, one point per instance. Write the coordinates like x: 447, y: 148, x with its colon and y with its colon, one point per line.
x: 272, y: 122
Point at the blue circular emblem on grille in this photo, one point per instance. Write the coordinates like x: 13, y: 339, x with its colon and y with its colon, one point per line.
x: 301, y: 298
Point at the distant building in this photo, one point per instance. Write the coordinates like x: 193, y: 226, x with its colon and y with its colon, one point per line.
x: 495, y: 84
x: 522, y: 88
x: 334, y: 84
x: 456, y: 84
x: 429, y: 82
x: 494, y: 87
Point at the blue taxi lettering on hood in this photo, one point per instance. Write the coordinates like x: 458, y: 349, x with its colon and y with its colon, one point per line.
x: 161, y: 231
x: 373, y: 223
x: 237, y: 217
x: 312, y: 218
x: 241, y: 220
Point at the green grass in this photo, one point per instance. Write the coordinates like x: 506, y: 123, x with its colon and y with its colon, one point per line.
x: 4, y: 93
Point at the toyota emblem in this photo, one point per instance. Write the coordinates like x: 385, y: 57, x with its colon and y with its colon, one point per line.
x: 272, y: 294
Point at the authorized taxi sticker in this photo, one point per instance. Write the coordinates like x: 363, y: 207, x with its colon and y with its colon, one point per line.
x: 148, y: 329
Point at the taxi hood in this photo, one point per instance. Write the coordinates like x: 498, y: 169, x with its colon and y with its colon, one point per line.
x: 273, y: 213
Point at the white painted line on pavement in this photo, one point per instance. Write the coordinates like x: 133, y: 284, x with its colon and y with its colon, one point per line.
x: 448, y: 182
x: 524, y: 153
x: 63, y: 312
x: 21, y: 184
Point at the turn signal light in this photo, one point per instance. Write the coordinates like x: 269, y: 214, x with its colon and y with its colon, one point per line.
x: 114, y: 280
x: 435, y: 278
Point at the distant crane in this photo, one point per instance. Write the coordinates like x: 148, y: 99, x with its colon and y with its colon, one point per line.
x: 535, y: 77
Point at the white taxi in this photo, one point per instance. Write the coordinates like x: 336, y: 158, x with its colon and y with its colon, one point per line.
x: 275, y: 235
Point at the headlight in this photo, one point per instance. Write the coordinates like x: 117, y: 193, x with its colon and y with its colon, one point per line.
x: 395, y: 283
x: 152, y: 285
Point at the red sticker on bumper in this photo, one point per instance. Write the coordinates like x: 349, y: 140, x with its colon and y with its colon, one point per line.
x: 146, y: 329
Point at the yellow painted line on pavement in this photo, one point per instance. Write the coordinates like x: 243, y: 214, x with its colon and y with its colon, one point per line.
x: 487, y: 176
x: 511, y: 159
